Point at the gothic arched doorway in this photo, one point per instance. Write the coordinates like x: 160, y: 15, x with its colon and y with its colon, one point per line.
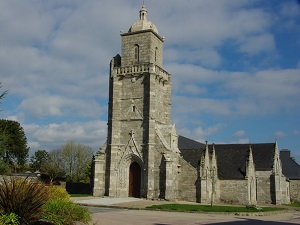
x: 134, y: 180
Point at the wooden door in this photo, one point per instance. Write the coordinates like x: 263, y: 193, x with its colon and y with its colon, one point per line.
x: 134, y: 180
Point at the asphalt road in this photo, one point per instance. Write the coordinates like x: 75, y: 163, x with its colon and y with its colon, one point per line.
x: 115, y: 216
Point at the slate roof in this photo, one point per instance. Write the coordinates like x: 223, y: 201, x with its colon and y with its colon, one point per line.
x: 187, y: 143
x: 290, y: 168
x: 190, y: 150
x: 231, y: 158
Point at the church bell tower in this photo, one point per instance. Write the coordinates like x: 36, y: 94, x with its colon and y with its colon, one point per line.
x: 140, y: 156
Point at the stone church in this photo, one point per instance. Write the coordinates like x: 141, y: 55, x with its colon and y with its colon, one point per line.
x: 143, y: 155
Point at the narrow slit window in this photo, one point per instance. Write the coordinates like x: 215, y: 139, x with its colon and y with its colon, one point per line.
x: 136, y: 54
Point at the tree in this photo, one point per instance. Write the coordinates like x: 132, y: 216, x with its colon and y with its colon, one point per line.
x: 3, y: 165
x: 53, y: 166
x: 76, y: 158
x: 2, y: 95
x: 36, y: 161
x: 89, y: 170
x: 13, y: 144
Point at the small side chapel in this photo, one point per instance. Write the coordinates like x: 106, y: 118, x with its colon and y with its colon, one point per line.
x: 144, y: 157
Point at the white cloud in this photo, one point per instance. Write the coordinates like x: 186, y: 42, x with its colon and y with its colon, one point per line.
x: 205, y: 56
x: 231, y: 93
x: 210, y: 25
x: 296, y: 132
x: 53, y: 136
x: 239, y: 133
x: 243, y: 141
x: 13, y: 118
x: 41, y: 106
x: 33, y: 146
x: 279, y: 134
x: 199, y: 133
x: 290, y: 9
x: 257, y: 44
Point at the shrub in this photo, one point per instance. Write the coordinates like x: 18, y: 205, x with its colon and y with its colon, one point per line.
x: 9, y: 219
x: 58, y: 193
x: 22, y: 197
x: 63, y: 212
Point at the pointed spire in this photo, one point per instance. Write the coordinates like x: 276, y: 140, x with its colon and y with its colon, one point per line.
x: 206, y: 150
x: 250, y: 155
x: 277, y: 162
x: 214, y: 160
x: 206, y: 164
x: 276, y: 147
x: 250, y: 166
x: 214, y: 154
x: 143, y: 13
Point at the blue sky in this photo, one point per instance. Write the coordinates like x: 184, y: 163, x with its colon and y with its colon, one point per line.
x: 235, y: 67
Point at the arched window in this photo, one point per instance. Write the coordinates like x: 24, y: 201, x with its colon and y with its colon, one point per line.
x: 155, y: 55
x: 136, y: 54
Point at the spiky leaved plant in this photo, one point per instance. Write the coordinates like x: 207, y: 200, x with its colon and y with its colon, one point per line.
x: 22, y: 197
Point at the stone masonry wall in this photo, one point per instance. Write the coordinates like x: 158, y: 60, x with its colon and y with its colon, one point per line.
x: 159, y: 171
x: 132, y: 105
x: 233, y: 191
x: 188, y: 186
x: 163, y: 102
x: 148, y: 44
x: 263, y: 187
x: 295, y: 190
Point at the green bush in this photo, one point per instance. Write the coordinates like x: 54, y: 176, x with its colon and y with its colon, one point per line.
x: 58, y: 193
x: 63, y: 212
x: 9, y: 219
x: 22, y: 197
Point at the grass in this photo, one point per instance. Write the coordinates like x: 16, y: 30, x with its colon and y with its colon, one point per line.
x: 207, y: 208
x: 80, y: 195
x: 295, y: 204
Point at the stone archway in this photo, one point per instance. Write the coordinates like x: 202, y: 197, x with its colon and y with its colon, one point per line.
x: 134, y: 189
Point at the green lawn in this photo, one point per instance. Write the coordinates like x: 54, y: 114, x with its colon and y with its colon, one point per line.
x: 295, y: 204
x: 207, y: 208
x: 80, y: 195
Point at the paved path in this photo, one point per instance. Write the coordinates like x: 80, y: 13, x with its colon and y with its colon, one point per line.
x: 129, y: 211
x: 112, y: 216
x: 94, y: 201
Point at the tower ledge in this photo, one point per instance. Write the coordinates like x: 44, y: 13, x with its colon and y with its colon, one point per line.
x: 141, y: 68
